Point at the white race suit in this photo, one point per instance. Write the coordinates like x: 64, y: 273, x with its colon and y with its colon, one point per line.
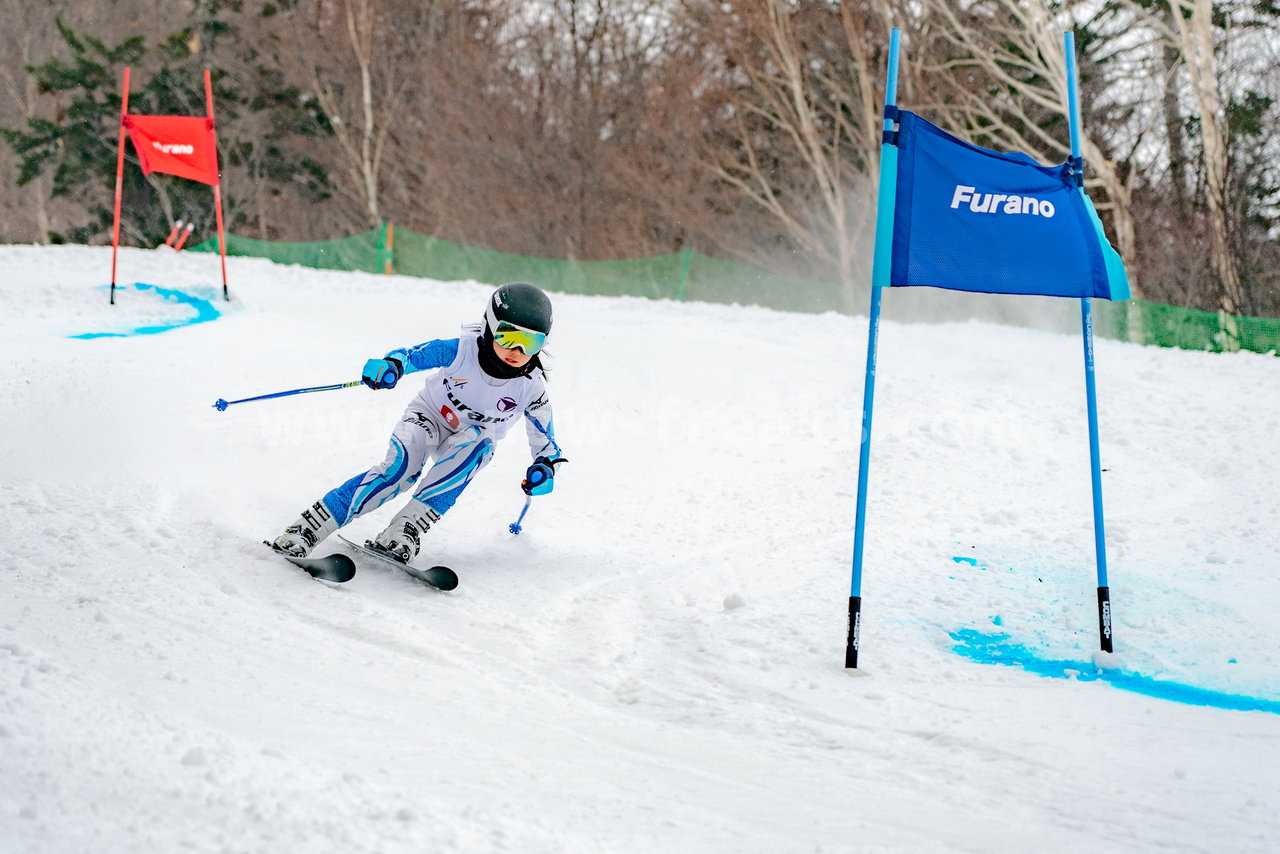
x: 454, y: 421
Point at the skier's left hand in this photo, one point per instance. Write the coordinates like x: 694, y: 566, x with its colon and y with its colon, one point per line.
x: 382, y: 373
x: 540, y: 478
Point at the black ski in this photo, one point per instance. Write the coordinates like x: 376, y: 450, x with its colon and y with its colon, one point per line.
x: 334, y: 567
x: 439, y: 577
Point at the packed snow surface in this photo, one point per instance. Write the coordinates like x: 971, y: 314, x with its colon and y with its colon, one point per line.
x: 656, y: 663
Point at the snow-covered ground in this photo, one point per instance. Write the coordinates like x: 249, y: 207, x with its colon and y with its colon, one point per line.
x: 656, y: 663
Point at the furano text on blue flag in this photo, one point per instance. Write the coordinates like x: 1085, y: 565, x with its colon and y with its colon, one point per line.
x: 1001, y: 203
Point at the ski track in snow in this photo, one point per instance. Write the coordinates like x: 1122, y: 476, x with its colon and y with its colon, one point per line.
x: 655, y: 663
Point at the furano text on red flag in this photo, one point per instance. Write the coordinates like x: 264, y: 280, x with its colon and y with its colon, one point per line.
x: 175, y: 145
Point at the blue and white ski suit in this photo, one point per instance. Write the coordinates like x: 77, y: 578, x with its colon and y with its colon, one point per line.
x: 455, y: 421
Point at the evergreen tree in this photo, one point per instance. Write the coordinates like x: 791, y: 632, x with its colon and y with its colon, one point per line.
x: 258, y: 117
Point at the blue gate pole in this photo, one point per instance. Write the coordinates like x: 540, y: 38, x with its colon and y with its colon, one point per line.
x: 1090, y: 382
x: 879, y: 278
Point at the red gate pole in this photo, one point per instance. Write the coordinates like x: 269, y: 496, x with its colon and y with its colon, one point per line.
x: 217, y: 188
x: 173, y: 234
x: 181, y: 241
x: 115, y: 229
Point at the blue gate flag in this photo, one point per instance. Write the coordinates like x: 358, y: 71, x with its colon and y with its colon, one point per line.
x: 971, y: 219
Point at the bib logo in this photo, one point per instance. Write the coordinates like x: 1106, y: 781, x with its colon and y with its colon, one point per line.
x: 174, y: 148
x: 1001, y: 202
x: 506, y: 404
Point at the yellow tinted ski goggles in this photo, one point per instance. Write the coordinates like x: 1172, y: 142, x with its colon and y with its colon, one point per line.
x: 513, y: 337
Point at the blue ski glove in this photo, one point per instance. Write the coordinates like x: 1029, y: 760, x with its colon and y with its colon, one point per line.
x: 382, y: 373
x: 540, y: 478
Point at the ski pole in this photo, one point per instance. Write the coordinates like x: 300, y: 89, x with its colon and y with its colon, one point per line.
x: 514, y: 527
x: 221, y: 405
x: 537, y: 478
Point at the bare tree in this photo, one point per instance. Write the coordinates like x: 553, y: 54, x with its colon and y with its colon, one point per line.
x: 31, y: 38
x: 1194, y: 33
x: 551, y: 132
x: 30, y: 25
x: 1212, y: 71
x: 800, y: 134
x: 352, y: 56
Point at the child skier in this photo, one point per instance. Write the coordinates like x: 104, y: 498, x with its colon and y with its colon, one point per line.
x: 492, y: 374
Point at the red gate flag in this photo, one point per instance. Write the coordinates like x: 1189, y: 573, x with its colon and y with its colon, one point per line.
x: 175, y: 145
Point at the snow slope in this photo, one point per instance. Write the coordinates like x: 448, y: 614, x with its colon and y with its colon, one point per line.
x: 655, y: 664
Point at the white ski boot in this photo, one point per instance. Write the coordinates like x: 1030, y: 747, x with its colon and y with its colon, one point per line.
x: 402, y: 538
x: 301, y: 537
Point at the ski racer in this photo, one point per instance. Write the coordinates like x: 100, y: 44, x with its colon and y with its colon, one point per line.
x: 481, y: 383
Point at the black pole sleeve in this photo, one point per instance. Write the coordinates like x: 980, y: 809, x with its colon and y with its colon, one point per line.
x: 1104, y: 618
x: 855, y: 630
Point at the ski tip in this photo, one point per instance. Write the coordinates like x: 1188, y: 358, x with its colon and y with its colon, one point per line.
x: 443, y: 577
x: 339, y: 569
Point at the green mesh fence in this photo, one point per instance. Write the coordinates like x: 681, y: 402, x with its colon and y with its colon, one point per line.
x: 361, y: 252
x: 1143, y: 322
x: 713, y: 280
x: 683, y: 275
x: 689, y: 275
x: 660, y: 277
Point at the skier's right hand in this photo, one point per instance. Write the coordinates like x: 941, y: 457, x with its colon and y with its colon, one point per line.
x: 382, y: 373
x: 540, y: 478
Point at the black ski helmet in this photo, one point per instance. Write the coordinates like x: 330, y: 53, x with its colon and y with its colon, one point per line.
x: 520, y: 303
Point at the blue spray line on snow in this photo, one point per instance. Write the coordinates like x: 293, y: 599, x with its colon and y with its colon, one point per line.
x: 999, y: 648
x: 205, y: 311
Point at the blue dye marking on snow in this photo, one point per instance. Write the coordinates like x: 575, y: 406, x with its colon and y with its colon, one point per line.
x: 1000, y: 649
x: 205, y: 312
x: 969, y: 560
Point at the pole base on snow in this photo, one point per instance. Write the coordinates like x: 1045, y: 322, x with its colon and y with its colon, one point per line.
x: 1104, y: 618
x: 855, y: 631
